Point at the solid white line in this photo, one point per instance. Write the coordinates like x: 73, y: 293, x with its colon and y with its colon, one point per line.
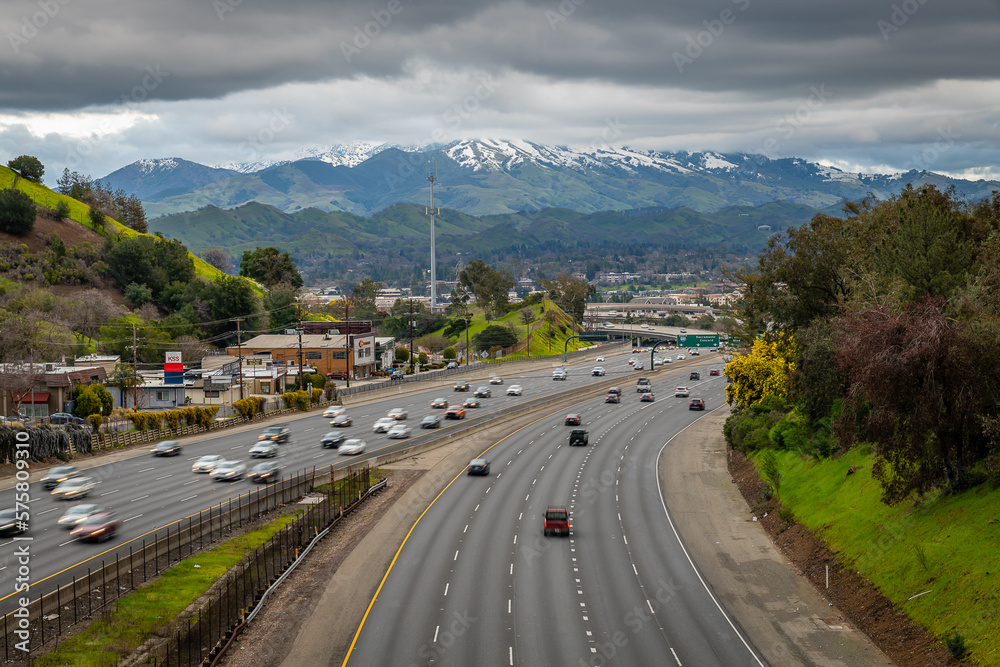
x: 663, y: 503
x: 675, y: 655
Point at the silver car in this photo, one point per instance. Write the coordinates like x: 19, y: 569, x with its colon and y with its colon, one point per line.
x: 75, y: 487
x: 76, y: 514
x: 352, y: 446
x: 514, y: 390
x: 229, y: 470
x: 206, y: 463
x: 264, y: 450
x: 383, y: 424
x: 400, y: 431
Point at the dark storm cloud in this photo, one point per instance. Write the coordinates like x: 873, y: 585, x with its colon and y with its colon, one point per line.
x: 68, y: 54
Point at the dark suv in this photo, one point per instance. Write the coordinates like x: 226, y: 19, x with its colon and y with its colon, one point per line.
x: 578, y: 436
x: 279, y: 433
x: 694, y: 375
x: 696, y: 404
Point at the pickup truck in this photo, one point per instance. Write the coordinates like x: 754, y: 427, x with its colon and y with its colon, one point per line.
x: 578, y: 436
x: 556, y: 521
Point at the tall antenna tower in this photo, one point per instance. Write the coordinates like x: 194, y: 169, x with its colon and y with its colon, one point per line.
x: 431, y: 211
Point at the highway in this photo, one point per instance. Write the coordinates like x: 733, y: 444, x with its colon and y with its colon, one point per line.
x: 477, y: 583
x: 149, y: 493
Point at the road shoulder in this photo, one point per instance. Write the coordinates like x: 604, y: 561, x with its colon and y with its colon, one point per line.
x: 786, y: 619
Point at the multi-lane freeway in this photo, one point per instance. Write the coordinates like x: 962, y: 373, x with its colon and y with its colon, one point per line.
x: 477, y: 582
x: 149, y: 493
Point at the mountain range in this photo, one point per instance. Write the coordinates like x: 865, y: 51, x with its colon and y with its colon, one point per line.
x: 489, y: 177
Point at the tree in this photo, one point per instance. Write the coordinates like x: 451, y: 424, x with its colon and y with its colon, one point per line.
x: 17, y: 212
x: 402, y: 355
x: 495, y: 335
x: 270, y: 267
x: 130, y: 211
x: 761, y: 373
x: 28, y: 166
x: 92, y: 399
x: 922, y: 385
x: 228, y: 298
x: 138, y: 295
x: 571, y: 294
x: 363, y: 298
x: 449, y: 354
x: 61, y: 210
x: 490, y: 288
x: 97, y: 218
x: 218, y: 259
x: 281, y: 303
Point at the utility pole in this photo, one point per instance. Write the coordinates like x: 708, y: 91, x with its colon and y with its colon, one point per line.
x: 299, y: 331
x: 431, y: 211
x: 411, y: 335
x: 135, y: 372
x: 467, y: 349
x: 239, y: 344
x: 350, y: 350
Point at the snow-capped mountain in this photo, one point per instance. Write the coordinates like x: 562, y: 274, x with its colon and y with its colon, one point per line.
x: 364, y: 177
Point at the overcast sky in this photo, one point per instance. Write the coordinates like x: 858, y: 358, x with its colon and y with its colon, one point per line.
x: 865, y: 85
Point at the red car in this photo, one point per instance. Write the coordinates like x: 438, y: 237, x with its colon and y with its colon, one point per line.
x: 556, y: 521
x: 98, y: 527
x: 714, y: 371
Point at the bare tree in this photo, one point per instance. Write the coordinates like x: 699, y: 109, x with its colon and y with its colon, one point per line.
x: 218, y: 259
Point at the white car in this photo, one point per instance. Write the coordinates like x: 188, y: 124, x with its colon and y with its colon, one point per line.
x: 681, y: 392
x: 74, y: 487
x: 559, y: 374
x: 633, y: 361
x: 399, y: 431
x: 383, y: 424
x: 228, y: 470
x: 352, y: 446
x: 658, y: 361
x: 599, y: 359
x: 514, y: 390
x: 680, y: 357
x: 668, y: 360
x: 77, y: 514
x: 598, y: 371
x: 206, y: 463
x: 333, y: 411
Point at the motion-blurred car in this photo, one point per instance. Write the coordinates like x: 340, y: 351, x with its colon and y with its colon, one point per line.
x: 333, y: 411
x: 598, y: 371
x: 279, y: 433
x: 668, y: 360
x: 58, y: 475
x: 430, y: 421
x: 483, y: 392
x: 514, y: 390
x: 644, y: 388
x: 383, y: 424
x: 461, y: 386
x: 398, y: 414
x: 472, y: 403
x: 696, y: 404
x: 264, y: 450
x: 713, y: 372
x: 559, y: 374
x: 599, y: 359
x: 10, y: 524
x: 455, y: 412
x: 75, y: 487
x: 167, y: 448
x: 65, y: 418
x: 352, y: 447
x: 572, y: 419
x: 332, y: 439
x: 681, y: 392
x: 206, y: 463
x: 440, y: 403
x: 614, y: 390
x: 227, y: 471
x: 265, y: 473
x: 496, y: 379
x: 98, y: 527
x: 612, y: 398
x: 633, y: 361
x: 342, y: 420
x: 451, y: 364
x: 680, y: 357
x: 479, y: 467
x: 647, y: 397
x: 638, y: 366
x: 399, y: 431
x: 77, y: 514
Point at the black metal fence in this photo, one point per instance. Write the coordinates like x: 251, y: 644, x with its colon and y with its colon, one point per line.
x: 93, y: 589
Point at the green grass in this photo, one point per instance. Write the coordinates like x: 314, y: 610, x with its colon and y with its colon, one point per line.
x: 139, y: 615
x: 946, y: 544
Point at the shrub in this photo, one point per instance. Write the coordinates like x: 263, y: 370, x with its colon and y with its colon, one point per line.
x: 61, y: 210
x: 956, y: 645
x: 95, y: 422
x: 138, y: 295
x: 449, y: 354
x: 402, y: 354
x: 17, y: 212
x: 173, y: 419
x: 317, y: 395
x: 302, y: 400
x: 768, y: 463
x: 786, y: 515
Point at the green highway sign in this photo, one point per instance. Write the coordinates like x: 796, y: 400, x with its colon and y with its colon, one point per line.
x: 698, y: 340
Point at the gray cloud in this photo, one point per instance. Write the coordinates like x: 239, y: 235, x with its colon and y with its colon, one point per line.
x: 724, y: 75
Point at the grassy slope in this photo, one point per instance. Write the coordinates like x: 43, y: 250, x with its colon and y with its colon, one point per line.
x: 78, y: 211
x: 946, y: 545
x: 540, y: 343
